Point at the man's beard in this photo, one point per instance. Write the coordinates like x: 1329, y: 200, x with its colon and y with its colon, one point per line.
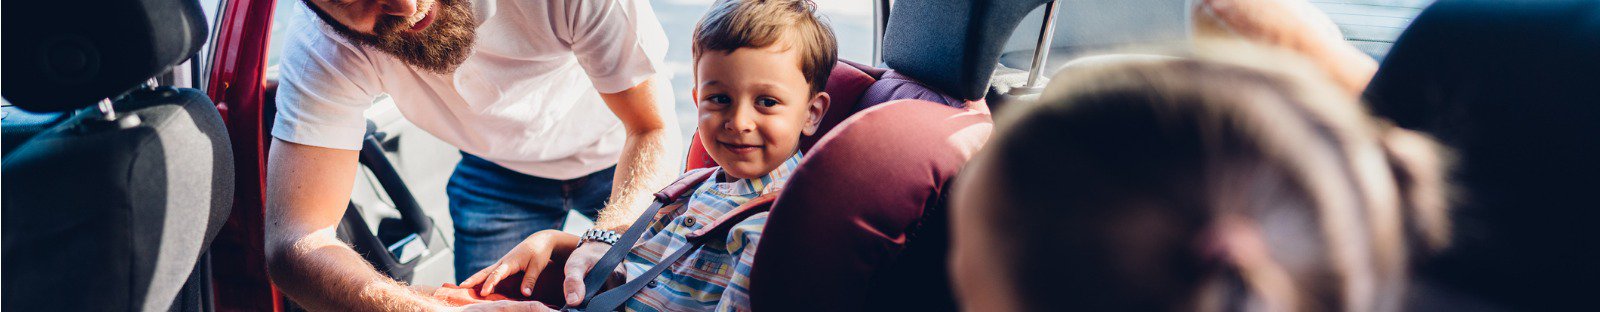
x: 439, y: 48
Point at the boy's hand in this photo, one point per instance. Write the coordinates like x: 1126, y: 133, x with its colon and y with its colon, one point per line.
x: 578, y: 264
x: 530, y: 257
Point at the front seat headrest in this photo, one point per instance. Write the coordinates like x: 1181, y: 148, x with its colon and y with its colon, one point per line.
x: 951, y: 45
x: 64, y: 55
x: 1513, y: 87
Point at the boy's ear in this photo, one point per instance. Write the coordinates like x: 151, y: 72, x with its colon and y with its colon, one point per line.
x: 815, y: 111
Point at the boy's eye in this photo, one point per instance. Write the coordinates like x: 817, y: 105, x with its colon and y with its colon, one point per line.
x: 767, y: 102
x: 719, y: 99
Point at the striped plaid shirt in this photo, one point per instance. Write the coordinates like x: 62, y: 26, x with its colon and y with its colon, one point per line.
x: 717, y: 276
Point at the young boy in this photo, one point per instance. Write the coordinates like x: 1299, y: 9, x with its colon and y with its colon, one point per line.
x: 760, y: 68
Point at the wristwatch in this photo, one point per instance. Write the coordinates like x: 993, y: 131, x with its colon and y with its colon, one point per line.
x: 598, y: 235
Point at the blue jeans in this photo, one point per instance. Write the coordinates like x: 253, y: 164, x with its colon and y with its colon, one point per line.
x: 495, y: 208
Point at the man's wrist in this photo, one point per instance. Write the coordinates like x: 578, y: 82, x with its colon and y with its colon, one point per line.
x: 598, y: 235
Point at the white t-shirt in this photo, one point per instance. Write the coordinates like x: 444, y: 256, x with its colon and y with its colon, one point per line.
x: 527, y: 98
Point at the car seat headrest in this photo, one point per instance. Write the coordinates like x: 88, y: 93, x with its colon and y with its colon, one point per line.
x: 64, y: 55
x: 951, y: 45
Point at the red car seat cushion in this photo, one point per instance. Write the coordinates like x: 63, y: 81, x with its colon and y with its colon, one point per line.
x: 848, y: 209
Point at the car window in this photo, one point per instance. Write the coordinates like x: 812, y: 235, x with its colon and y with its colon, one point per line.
x: 280, y: 20
x: 1372, y: 25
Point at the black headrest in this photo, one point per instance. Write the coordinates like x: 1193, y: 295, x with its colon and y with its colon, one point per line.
x: 951, y: 45
x: 1514, y: 88
x: 63, y: 54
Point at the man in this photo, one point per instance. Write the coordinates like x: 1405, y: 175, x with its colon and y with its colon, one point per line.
x: 553, y: 104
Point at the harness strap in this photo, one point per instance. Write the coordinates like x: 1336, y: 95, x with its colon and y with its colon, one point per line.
x: 602, y: 269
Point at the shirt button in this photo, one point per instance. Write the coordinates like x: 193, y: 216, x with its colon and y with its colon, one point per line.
x: 651, y: 284
x: 688, y: 222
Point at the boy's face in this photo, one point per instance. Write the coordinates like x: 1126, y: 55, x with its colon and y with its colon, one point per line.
x: 754, y: 104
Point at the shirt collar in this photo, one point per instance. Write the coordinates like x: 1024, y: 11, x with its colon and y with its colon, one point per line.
x: 769, y: 183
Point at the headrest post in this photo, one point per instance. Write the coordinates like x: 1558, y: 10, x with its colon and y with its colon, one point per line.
x: 880, y: 22
x: 1041, y: 52
x: 107, y: 113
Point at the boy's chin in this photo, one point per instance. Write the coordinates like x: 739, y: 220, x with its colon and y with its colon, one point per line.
x: 745, y: 170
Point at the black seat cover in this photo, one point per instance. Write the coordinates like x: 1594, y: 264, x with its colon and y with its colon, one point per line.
x: 1514, y: 88
x: 109, y: 215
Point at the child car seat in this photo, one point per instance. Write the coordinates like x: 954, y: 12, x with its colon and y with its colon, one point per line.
x: 861, y: 224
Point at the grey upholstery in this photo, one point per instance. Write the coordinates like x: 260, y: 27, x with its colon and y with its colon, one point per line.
x: 21, y: 125
x: 119, y: 213
x: 951, y: 45
x: 78, y: 52
x: 108, y: 214
x: 100, y: 217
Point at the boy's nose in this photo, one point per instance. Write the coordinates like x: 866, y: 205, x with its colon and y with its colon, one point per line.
x: 740, y: 122
x: 403, y: 8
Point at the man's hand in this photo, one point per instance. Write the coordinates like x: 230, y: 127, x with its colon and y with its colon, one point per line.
x: 1295, y: 25
x: 530, y: 257
x: 505, y: 306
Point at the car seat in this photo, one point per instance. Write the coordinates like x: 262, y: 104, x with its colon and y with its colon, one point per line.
x: 113, y: 207
x: 1514, y: 89
x: 861, y: 224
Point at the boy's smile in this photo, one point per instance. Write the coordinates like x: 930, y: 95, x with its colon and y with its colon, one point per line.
x: 754, y: 103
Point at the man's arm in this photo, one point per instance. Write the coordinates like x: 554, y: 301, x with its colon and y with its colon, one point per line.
x: 308, y: 189
x: 645, y: 165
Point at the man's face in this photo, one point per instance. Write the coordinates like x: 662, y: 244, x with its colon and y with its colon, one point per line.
x: 434, y: 35
x: 754, y: 104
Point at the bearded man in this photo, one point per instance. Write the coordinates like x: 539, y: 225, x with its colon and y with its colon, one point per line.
x: 553, y: 104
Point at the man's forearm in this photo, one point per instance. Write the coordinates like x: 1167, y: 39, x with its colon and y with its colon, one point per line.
x: 643, y: 168
x: 323, y: 274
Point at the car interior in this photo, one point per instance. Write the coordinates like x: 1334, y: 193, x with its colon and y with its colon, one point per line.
x: 134, y: 150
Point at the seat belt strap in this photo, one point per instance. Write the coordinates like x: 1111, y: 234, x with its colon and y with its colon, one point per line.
x: 602, y: 269
x: 613, y: 299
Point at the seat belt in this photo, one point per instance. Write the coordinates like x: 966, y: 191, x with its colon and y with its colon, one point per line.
x: 614, y: 298
x: 613, y: 257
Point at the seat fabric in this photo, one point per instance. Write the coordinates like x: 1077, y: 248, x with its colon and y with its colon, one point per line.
x: 120, y: 212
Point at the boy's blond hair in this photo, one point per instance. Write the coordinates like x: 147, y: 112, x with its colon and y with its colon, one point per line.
x: 734, y: 24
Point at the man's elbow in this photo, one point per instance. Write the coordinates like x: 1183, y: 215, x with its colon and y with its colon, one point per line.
x: 282, y: 259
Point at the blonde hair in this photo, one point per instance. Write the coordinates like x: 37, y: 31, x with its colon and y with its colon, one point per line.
x: 1332, y: 203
